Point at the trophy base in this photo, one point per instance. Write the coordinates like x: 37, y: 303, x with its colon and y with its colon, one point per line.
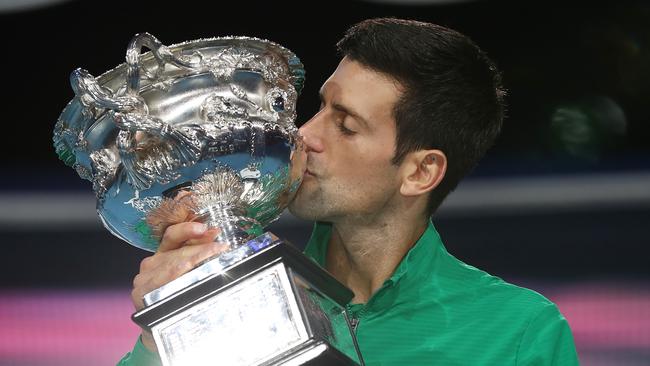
x: 319, y: 354
x: 274, y: 307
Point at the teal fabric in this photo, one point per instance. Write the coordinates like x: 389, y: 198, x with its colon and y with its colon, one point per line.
x: 437, y: 310
x: 140, y: 356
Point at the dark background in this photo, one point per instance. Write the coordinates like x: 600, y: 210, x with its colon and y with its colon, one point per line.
x: 578, y: 78
x: 591, y: 59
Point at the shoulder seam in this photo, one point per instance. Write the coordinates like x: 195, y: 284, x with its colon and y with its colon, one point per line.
x: 523, y: 334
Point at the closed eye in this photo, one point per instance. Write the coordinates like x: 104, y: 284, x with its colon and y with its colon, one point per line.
x: 344, y: 130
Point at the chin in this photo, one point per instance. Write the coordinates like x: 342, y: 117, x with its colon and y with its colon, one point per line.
x: 305, y: 209
x: 298, y: 210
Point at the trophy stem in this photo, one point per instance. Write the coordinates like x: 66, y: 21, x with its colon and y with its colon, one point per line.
x: 236, y: 229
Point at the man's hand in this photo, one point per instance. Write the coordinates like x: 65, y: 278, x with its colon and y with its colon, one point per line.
x: 183, y: 246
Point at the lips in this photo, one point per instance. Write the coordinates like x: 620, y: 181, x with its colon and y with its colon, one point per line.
x: 309, y: 166
x: 309, y: 173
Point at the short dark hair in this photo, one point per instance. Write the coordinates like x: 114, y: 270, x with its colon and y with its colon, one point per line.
x: 452, y: 97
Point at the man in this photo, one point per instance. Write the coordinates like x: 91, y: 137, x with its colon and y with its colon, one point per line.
x: 409, y: 111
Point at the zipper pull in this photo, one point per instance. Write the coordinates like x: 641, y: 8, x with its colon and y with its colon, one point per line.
x: 354, y: 322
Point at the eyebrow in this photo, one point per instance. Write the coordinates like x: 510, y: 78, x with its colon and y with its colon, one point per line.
x: 341, y: 108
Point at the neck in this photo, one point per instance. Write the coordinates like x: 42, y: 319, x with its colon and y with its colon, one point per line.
x: 363, y: 254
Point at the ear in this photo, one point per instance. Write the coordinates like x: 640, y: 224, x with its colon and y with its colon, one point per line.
x: 422, y: 171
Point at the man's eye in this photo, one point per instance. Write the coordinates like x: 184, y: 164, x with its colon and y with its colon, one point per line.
x: 344, y: 130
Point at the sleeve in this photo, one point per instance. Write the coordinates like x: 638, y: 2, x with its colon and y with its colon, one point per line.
x: 547, y: 341
x: 140, y: 356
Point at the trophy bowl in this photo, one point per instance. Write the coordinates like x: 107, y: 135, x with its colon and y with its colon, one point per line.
x: 198, y: 131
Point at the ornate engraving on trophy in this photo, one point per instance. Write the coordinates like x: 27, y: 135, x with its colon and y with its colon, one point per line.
x: 186, y: 113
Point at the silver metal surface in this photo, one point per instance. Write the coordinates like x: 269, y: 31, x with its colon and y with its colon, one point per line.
x: 199, y: 131
x: 327, y: 320
x: 212, y: 267
x: 248, y: 324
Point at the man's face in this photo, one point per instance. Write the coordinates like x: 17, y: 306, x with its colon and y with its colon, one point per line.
x: 349, y: 145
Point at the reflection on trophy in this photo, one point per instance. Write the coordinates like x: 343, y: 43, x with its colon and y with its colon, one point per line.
x: 204, y: 131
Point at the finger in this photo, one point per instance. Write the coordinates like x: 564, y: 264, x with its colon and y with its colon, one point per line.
x: 164, y: 267
x: 172, y: 264
x: 177, y: 234
x: 207, y: 237
x: 192, y: 255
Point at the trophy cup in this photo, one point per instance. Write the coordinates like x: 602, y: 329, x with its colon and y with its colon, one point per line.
x: 204, y: 131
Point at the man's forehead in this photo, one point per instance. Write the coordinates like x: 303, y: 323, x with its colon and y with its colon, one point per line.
x: 361, y: 89
x: 353, y: 76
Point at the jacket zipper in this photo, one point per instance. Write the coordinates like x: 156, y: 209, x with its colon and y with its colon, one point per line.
x: 354, y: 322
x: 355, y: 319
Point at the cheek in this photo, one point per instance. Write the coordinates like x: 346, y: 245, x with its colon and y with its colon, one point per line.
x: 366, y: 156
x: 368, y: 174
x: 374, y: 158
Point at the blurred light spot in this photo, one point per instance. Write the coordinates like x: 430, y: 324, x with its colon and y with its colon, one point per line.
x: 9, y: 6
x: 588, y: 128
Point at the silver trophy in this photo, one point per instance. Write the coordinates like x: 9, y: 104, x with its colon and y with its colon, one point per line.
x: 204, y: 131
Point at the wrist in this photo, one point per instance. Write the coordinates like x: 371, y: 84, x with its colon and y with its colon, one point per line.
x: 148, y: 342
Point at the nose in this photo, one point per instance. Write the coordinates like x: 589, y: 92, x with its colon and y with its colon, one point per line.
x: 312, y: 134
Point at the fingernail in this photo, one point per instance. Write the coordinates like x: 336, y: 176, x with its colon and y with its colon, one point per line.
x: 200, y: 228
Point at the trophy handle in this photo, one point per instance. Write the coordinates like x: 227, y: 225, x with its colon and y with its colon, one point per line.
x: 161, y: 53
x: 130, y: 113
x: 95, y: 96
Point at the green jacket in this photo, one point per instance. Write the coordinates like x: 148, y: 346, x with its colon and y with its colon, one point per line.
x: 437, y: 310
